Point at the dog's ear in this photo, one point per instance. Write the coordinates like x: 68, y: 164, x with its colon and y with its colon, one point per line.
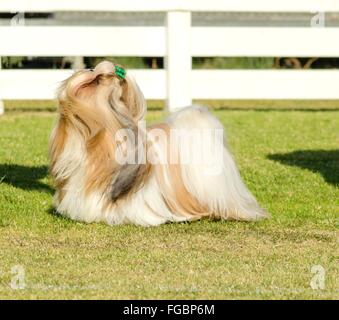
x: 133, y: 98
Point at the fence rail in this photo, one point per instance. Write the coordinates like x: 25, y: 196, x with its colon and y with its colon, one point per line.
x: 227, y: 84
x: 171, y: 5
x: 177, y: 41
x: 151, y: 41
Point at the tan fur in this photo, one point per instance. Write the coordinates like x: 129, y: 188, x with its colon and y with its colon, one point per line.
x: 58, y: 141
x: 78, y: 107
x: 100, y: 162
x: 178, y: 199
x: 56, y: 147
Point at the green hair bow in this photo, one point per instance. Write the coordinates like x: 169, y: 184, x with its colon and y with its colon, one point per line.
x: 120, y: 72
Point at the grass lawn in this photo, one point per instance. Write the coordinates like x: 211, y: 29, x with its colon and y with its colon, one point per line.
x: 288, y: 158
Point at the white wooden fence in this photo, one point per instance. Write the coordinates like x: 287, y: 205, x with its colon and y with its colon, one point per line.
x: 178, y: 42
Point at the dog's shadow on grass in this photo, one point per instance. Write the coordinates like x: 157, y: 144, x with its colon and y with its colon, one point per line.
x: 25, y: 177
x: 325, y: 162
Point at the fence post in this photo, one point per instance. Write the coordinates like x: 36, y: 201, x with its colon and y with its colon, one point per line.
x: 2, y: 105
x: 178, y: 60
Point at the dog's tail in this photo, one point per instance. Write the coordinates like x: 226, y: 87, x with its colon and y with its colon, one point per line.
x: 208, y: 169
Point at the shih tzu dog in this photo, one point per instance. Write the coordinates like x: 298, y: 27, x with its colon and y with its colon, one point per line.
x: 108, y: 167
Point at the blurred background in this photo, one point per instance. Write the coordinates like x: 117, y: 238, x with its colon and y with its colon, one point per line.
x: 158, y: 19
x: 222, y: 53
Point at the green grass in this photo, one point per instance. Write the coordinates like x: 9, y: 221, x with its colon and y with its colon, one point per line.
x: 319, y: 105
x: 288, y: 158
x: 233, y: 63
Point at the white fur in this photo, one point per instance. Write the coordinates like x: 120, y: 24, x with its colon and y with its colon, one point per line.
x: 217, y: 185
x: 207, y: 168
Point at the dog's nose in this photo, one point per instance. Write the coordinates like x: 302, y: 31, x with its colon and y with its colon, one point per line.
x: 104, y: 67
